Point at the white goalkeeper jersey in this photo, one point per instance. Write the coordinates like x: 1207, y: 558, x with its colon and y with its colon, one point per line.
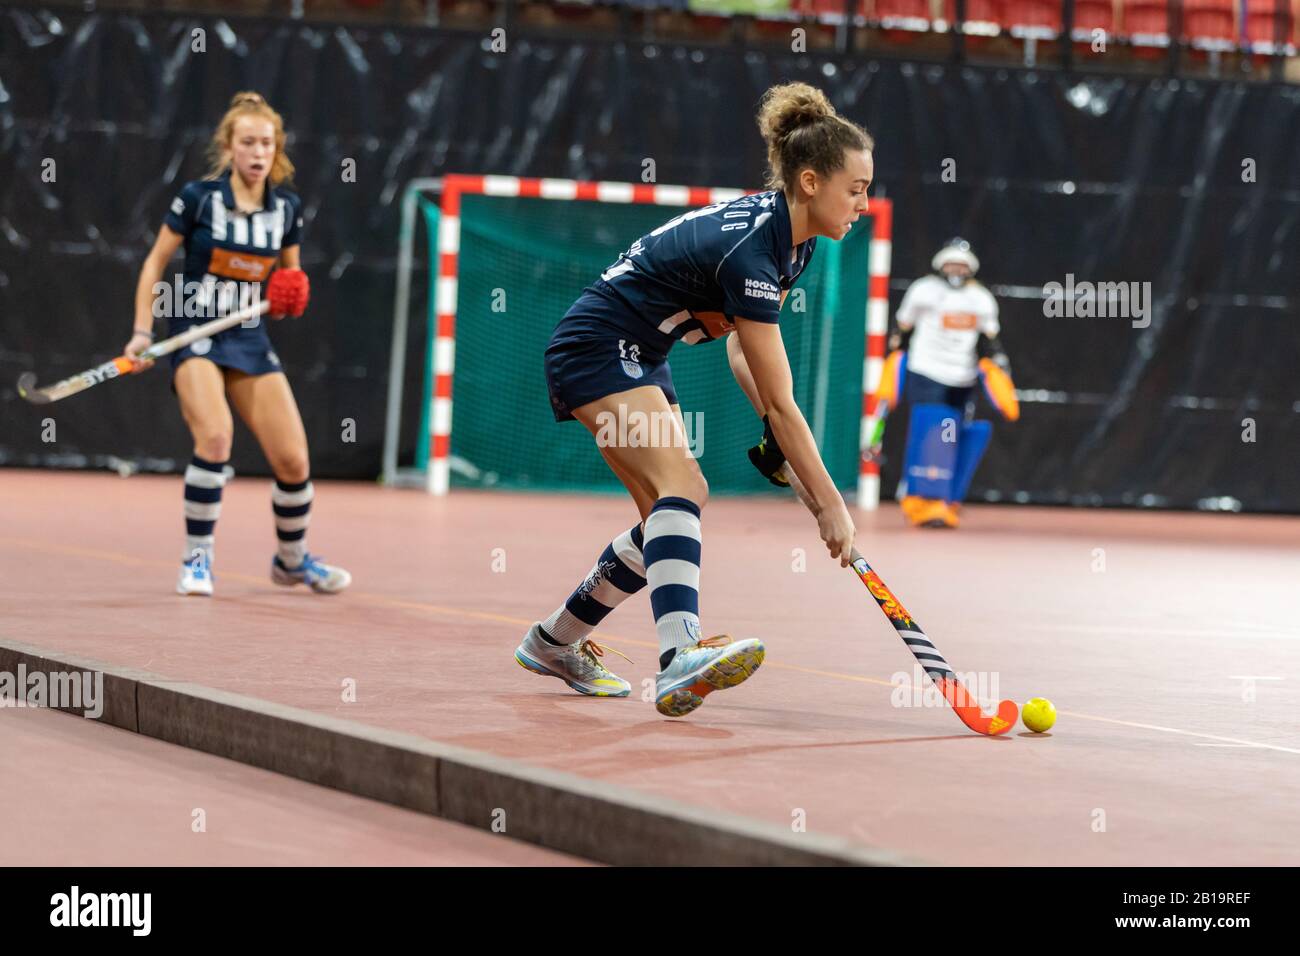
x: 946, y: 323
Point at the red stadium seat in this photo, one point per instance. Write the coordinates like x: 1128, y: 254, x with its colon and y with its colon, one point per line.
x: 1147, y: 22
x: 983, y: 17
x: 1261, y: 24
x: 1210, y: 20
x: 828, y: 9
x: 902, y: 20
x: 902, y: 10
x: 1040, y: 17
x: 1091, y: 15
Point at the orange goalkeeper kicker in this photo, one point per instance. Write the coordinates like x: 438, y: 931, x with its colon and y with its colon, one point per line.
x: 927, y: 655
x: 1000, y: 389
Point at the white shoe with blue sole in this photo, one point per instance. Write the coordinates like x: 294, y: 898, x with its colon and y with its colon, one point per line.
x: 196, y: 576
x: 320, y: 577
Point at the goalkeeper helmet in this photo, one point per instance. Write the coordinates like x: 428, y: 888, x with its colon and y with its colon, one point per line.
x: 956, y: 251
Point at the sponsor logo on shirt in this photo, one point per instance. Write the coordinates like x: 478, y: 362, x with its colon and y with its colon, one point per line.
x: 759, y: 289
x: 178, y: 206
x: 240, y: 265
x: 961, y: 321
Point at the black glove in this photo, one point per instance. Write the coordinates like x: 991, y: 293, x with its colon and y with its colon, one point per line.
x: 768, y: 458
x: 987, y: 346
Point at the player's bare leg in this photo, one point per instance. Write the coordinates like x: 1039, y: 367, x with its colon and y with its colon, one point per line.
x: 267, y: 406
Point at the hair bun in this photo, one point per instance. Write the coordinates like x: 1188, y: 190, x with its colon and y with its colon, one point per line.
x: 247, y: 98
x: 789, y: 107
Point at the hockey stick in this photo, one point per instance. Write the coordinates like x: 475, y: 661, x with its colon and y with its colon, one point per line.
x: 922, y: 648
x: 875, y: 435
x: 121, y: 365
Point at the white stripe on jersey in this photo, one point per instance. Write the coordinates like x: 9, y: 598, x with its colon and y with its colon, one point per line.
x: 277, y: 222
x: 241, y: 230
x: 674, y: 320
x: 260, y: 220
x: 218, y: 215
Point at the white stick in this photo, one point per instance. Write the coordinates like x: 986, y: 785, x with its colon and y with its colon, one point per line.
x: 123, y: 365
x: 178, y: 342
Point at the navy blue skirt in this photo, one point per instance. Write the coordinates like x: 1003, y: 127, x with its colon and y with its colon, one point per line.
x: 246, y: 349
x: 591, y: 356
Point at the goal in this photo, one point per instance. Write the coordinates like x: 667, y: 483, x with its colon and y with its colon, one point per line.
x: 507, y: 258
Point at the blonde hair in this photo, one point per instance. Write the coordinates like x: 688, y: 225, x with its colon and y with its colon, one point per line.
x: 802, y: 130
x: 248, y: 103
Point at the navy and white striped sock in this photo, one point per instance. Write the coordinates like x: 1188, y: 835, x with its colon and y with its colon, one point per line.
x: 203, y: 483
x: 619, y: 573
x: 291, y: 504
x: 672, y: 567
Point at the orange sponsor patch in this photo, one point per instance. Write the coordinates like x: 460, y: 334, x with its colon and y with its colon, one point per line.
x: 240, y: 265
x: 960, y: 320
x: 715, y: 323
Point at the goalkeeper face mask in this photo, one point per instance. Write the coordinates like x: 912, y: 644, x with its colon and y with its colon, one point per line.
x: 956, y: 277
x: 956, y: 262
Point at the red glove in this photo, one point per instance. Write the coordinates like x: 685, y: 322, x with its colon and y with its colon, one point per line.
x: 288, y: 292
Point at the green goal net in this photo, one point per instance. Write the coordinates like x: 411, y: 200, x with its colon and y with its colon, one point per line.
x: 523, y: 261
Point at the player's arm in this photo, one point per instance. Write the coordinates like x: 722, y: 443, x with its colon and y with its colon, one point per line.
x: 766, y: 456
x: 987, y: 345
x: 899, y: 338
x: 744, y: 378
x: 291, y: 257
x: 151, y: 273
x: 905, y: 319
x: 769, y: 367
x: 995, y: 366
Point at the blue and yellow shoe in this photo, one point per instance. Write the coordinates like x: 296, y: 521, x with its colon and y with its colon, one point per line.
x: 578, y: 665
x: 320, y: 577
x: 714, y: 663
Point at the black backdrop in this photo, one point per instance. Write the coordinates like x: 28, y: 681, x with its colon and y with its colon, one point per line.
x: 1106, y: 178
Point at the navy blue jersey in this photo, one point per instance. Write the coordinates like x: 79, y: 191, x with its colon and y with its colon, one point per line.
x: 692, y: 277
x: 224, y: 244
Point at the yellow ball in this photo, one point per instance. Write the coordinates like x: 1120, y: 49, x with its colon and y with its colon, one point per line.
x: 1038, y: 715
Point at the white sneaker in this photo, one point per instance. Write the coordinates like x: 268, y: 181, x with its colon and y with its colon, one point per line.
x: 578, y: 665
x: 714, y: 663
x: 321, y: 577
x: 196, y: 575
